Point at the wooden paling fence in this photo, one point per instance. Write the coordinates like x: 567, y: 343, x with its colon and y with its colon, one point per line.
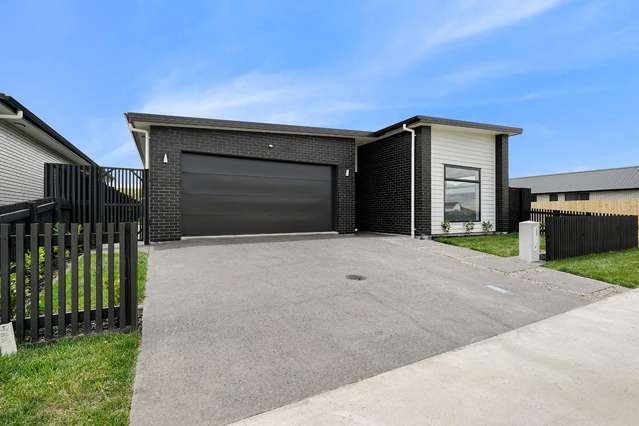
x: 53, y: 279
x: 541, y: 215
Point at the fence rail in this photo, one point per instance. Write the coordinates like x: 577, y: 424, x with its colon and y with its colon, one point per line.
x: 541, y: 215
x: 63, y: 279
x: 578, y: 235
x: 100, y: 194
x: 43, y: 210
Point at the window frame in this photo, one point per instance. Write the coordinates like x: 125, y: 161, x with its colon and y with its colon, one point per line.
x: 556, y: 197
x: 478, y: 182
x: 577, y: 196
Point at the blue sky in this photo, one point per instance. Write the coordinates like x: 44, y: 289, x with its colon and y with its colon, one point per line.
x: 565, y: 71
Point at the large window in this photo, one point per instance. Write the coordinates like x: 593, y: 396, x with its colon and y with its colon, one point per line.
x: 462, y: 194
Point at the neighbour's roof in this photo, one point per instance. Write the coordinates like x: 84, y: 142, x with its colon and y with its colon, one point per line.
x: 15, y: 106
x: 590, y: 180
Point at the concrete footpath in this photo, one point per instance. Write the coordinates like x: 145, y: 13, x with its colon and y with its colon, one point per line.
x: 579, y: 367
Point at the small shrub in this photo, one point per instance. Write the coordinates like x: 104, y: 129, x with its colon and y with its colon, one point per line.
x: 486, y: 226
x: 469, y: 226
x: 445, y: 225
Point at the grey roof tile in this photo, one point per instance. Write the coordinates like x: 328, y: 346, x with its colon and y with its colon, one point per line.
x: 590, y: 180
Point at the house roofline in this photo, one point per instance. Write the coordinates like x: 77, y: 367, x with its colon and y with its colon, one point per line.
x: 147, y: 120
x: 36, y: 121
x: 172, y: 120
x: 428, y: 120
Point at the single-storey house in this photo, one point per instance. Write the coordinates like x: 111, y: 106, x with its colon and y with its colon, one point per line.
x: 605, y: 184
x: 222, y: 177
x: 27, y: 143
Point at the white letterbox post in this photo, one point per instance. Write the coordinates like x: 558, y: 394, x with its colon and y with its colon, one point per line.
x: 529, y: 241
x: 7, y: 340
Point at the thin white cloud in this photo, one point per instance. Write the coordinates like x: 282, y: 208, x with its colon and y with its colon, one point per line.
x: 319, y: 97
x: 292, y: 98
x: 124, y: 153
x: 426, y: 30
x: 110, y: 142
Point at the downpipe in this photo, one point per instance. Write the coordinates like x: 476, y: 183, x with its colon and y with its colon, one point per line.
x: 146, y: 144
x: 412, y: 179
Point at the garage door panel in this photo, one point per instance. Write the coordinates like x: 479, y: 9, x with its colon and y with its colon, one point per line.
x: 197, y: 163
x: 227, y: 196
x: 213, y: 204
x: 249, y: 185
x: 255, y: 223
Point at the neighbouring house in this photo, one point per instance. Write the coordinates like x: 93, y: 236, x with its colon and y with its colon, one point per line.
x: 222, y: 177
x: 605, y: 184
x: 27, y: 143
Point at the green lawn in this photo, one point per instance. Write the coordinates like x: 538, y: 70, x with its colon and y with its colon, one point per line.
x: 504, y: 245
x: 86, y: 380
x: 621, y: 267
x: 141, y: 270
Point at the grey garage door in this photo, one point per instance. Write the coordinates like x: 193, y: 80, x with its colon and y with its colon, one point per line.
x: 231, y: 196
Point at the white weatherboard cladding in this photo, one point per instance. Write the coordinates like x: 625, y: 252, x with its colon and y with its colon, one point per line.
x: 22, y: 165
x: 462, y: 148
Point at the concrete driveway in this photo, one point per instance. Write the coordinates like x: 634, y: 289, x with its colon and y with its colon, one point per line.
x: 236, y: 327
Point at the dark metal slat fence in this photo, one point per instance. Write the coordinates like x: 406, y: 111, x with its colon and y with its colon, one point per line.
x: 33, y: 285
x: 100, y: 194
x: 573, y: 233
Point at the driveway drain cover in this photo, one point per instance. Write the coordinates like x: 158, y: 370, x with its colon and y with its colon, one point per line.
x: 355, y: 277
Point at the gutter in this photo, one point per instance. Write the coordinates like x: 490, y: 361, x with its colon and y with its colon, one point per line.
x: 17, y: 116
x: 23, y: 112
x: 412, y: 178
x: 146, y: 143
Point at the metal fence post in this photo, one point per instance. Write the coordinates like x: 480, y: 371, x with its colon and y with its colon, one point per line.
x: 125, y: 248
x: 133, y: 275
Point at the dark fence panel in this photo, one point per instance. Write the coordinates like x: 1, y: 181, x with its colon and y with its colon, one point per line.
x: 578, y: 235
x: 33, y: 288
x: 43, y: 210
x: 519, y: 207
x: 100, y: 194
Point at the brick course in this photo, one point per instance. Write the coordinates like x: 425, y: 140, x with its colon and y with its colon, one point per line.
x: 165, y: 183
x: 383, y: 184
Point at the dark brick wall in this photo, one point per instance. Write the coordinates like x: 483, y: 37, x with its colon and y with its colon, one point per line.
x: 383, y: 185
x: 165, y: 179
x: 501, y: 183
x: 423, y: 180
